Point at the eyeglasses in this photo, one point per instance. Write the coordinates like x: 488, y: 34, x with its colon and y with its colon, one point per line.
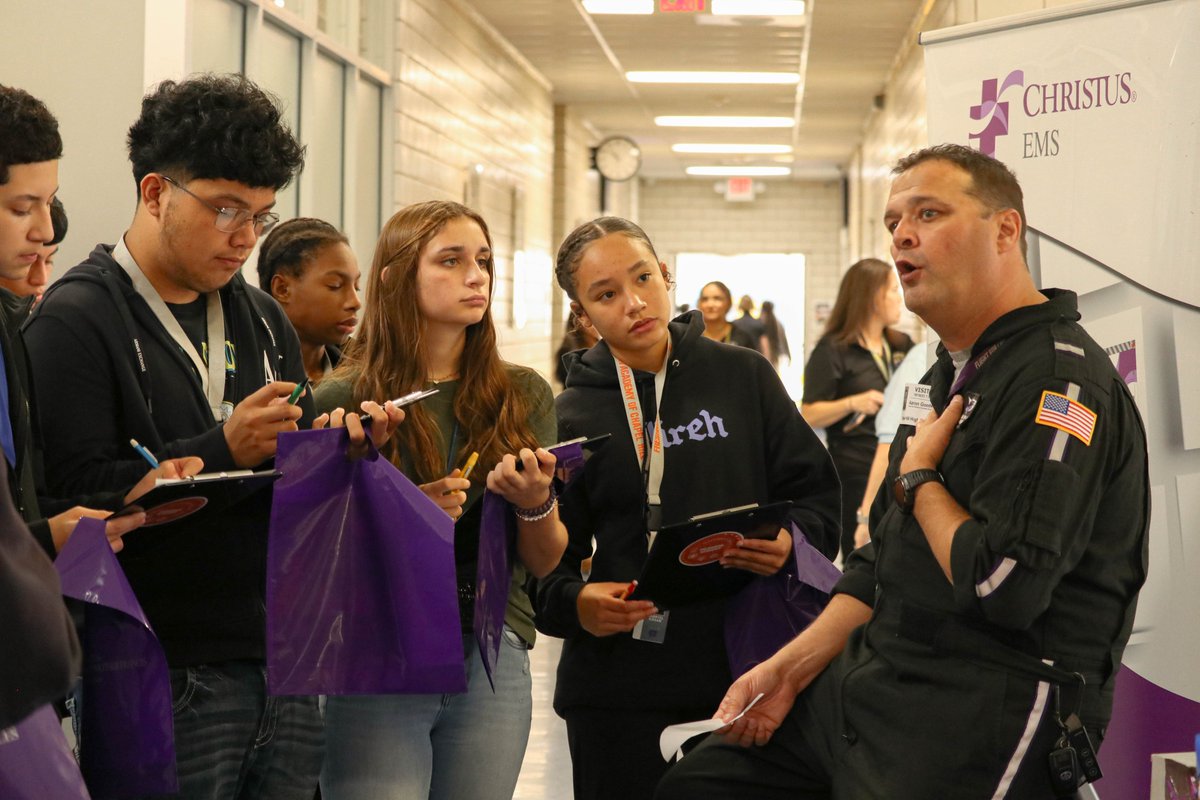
x: 230, y: 220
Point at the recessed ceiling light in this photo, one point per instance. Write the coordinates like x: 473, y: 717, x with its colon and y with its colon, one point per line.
x: 740, y: 172
x: 788, y: 78
x: 723, y: 122
x: 733, y: 149
x: 757, y: 8
x: 619, y: 6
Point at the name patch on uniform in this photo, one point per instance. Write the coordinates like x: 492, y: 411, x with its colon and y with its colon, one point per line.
x: 917, y: 404
x: 1059, y: 411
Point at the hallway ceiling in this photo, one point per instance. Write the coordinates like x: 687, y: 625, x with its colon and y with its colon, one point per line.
x: 849, y: 54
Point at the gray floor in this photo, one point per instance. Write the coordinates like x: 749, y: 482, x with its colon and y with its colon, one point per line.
x: 546, y: 772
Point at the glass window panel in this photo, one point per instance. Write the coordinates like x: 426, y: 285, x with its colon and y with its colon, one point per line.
x: 325, y: 147
x: 280, y: 74
x: 217, y: 35
x: 364, y: 230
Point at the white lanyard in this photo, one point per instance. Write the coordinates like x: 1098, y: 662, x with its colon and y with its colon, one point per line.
x: 652, y: 462
x: 212, y: 374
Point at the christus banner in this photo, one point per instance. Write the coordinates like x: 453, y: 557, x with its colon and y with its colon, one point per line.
x: 1094, y: 108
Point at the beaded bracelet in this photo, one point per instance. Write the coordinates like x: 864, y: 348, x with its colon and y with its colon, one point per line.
x: 537, y: 512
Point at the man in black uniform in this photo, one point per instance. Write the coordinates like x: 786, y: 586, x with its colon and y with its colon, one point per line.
x: 998, y: 592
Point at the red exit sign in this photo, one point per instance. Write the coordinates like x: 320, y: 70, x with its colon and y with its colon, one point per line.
x: 680, y: 5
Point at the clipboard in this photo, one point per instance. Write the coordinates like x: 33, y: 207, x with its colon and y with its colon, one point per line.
x: 683, y: 565
x: 172, y: 500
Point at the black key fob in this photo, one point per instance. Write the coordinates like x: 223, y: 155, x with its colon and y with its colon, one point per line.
x: 1064, y: 770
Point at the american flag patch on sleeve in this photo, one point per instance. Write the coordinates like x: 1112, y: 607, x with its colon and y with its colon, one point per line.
x: 1059, y: 411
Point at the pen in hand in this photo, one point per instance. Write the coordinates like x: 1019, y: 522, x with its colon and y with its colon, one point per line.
x: 144, y: 453
x: 295, y: 395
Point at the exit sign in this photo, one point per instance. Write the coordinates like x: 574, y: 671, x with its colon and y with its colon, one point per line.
x: 680, y: 5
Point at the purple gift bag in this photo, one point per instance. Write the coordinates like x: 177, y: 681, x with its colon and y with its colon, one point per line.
x: 361, y: 594
x: 770, y: 611
x: 36, y: 763
x: 497, y: 543
x: 497, y: 538
x: 126, y: 735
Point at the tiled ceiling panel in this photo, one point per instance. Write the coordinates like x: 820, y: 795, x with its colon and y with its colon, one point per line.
x: 852, y: 45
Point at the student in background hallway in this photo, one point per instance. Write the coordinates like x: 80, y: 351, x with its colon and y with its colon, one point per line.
x: 732, y: 436
x: 847, y: 372
x: 307, y: 265
x: 714, y: 303
x: 428, y: 324
x: 993, y: 604
x: 887, y: 421
x: 774, y: 336
x: 577, y: 335
x: 754, y: 328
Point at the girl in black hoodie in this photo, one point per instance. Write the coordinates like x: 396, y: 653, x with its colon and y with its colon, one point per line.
x: 727, y: 435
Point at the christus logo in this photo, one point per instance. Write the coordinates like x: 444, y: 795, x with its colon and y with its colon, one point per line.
x: 994, y: 110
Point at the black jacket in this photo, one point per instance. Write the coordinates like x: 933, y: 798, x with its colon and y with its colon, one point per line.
x: 106, y: 371
x: 25, y: 480
x: 1049, y: 563
x: 750, y: 445
x: 40, y: 656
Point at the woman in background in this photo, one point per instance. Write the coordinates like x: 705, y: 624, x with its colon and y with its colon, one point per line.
x: 847, y: 372
x: 715, y: 302
x: 576, y: 336
x: 428, y: 323
x: 773, y: 333
x: 307, y: 265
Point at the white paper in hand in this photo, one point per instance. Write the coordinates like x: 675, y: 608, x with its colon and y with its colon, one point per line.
x: 670, y: 743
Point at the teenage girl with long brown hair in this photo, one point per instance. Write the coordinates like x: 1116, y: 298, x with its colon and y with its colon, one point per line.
x: 428, y: 323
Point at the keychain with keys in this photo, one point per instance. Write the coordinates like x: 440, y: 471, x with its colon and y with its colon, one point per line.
x: 1073, y: 760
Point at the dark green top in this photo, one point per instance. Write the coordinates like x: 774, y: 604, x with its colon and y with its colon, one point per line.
x: 334, y: 393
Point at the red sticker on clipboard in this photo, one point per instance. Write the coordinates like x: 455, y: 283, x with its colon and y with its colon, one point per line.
x: 176, y: 509
x: 709, y: 549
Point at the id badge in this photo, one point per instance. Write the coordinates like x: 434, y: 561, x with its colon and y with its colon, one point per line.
x: 652, y: 628
x: 917, y: 404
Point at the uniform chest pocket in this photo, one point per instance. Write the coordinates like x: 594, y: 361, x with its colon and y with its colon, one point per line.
x: 961, y: 463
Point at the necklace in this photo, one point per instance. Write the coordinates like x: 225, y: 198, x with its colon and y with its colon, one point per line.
x: 449, y: 377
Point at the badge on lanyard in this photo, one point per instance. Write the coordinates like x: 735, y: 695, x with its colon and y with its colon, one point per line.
x: 917, y: 404
x: 652, y: 629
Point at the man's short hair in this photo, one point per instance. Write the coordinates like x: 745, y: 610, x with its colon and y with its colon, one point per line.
x: 214, y: 127
x: 28, y: 131
x: 992, y: 183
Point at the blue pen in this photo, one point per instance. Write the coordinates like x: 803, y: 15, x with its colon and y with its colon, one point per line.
x: 144, y: 453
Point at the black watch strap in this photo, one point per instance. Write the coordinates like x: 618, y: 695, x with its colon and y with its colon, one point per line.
x: 905, y: 486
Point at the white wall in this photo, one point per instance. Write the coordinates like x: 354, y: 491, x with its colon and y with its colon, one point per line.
x: 464, y: 97
x: 95, y: 91
x: 788, y: 217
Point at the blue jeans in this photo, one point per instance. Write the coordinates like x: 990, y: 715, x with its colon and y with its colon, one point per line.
x: 233, y: 742
x: 435, y: 746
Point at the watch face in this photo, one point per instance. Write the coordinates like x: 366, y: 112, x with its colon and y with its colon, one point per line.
x: 618, y: 158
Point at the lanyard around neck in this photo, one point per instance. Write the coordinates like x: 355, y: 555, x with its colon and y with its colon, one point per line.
x: 650, y: 454
x: 212, y: 372
x: 971, y: 369
x: 883, y: 362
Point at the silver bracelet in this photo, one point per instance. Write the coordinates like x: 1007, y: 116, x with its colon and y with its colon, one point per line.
x: 538, y: 512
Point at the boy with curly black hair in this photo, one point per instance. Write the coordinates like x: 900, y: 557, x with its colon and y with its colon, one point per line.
x: 170, y: 346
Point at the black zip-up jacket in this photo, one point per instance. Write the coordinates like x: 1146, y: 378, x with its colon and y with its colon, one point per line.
x: 732, y: 436
x: 1048, y: 565
x: 106, y: 371
x: 25, y: 479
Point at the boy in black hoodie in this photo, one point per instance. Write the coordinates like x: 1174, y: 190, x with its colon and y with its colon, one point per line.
x: 160, y: 339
